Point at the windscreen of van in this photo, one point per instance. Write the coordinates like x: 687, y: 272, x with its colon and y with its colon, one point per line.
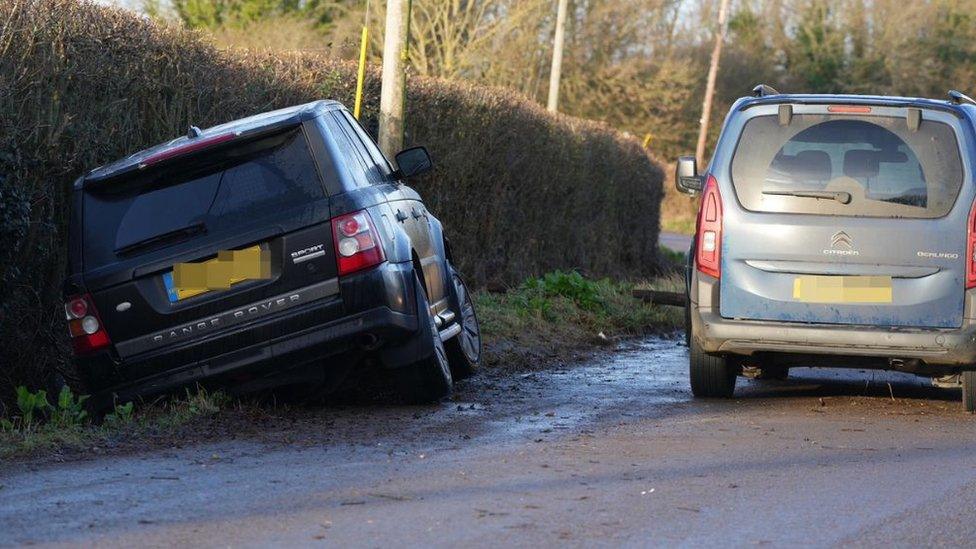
x: 826, y: 164
x: 215, y: 195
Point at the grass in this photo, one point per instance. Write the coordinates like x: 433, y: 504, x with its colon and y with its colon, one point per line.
x: 554, y: 318
x: 673, y: 258
x: 161, y: 419
x: 677, y: 223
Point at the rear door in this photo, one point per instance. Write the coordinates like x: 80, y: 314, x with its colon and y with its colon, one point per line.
x: 845, y: 215
x: 264, y: 195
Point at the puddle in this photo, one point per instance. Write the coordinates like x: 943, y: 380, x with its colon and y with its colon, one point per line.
x: 651, y: 372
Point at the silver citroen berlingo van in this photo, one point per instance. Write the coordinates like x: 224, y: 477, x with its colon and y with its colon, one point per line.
x: 835, y: 231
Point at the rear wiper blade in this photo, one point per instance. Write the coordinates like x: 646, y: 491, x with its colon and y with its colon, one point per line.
x: 175, y: 234
x: 840, y: 196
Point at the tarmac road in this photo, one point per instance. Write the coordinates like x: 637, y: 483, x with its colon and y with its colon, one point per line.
x: 675, y: 241
x: 611, y: 452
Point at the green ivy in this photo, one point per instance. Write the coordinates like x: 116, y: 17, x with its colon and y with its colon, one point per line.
x: 571, y: 285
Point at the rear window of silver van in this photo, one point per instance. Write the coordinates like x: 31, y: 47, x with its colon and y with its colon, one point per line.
x: 829, y: 164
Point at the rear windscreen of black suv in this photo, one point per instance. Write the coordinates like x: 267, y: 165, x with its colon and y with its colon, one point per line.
x: 873, y: 166
x: 209, y: 194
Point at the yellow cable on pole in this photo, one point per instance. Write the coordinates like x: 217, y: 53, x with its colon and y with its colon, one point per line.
x: 361, y: 76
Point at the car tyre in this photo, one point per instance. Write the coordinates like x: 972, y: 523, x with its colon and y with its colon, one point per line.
x: 464, y: 349
x: 712, y: 376
x: 429, y: 379
x: 969, y: 391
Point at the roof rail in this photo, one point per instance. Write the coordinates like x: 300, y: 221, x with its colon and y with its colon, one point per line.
x: 959, y: 98
x: 762, y: 90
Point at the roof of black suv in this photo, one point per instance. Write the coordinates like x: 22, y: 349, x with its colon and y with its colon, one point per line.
x: 282, y: 118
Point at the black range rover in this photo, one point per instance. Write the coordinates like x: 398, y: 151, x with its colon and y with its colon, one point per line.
x: 277, y: 249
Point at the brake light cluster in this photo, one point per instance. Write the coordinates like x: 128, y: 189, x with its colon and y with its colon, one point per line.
x: 84, y: 325
x: 357, y: 243
x: 188, y: 147
x: 849, y: 109
x: 709, y: 238
x: 971, y: 249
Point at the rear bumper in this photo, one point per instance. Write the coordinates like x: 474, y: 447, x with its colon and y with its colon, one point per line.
x: 271, y: 357
x: 943, y: 347
x: 715, y: 334
x: 378, y: 302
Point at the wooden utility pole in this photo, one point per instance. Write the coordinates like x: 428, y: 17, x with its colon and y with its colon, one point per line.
x: 710, y: 85
x: 557, y: 57
x: 394, y: 78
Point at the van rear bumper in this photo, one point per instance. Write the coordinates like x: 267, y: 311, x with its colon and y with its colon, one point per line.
x: 950, y: 347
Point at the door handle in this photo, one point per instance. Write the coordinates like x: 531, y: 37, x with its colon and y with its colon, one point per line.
x: 415, y: 213
x: 400, y: 216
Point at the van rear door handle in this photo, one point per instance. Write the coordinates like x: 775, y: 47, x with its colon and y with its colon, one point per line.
x: 400, y: 216
x: 415, y: 213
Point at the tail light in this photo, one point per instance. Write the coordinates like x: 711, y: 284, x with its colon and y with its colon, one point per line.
x: 84, y: 325
x: 971, y: 249
x: 357, y: 244
x: 709, y: 238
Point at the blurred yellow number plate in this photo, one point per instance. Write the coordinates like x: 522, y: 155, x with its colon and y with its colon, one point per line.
x: 842, y: 289
x: 229, y: 267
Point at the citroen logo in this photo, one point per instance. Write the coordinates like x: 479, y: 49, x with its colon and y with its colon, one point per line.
x: 841, y: 240
x: 841, y: 243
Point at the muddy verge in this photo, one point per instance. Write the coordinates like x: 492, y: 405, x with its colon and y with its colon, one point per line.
x: 366, y: 407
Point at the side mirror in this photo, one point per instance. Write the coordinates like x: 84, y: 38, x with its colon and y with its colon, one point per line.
x: 686, y: 177
x: 413, y: 161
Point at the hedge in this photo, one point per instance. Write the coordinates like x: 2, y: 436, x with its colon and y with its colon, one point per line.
x: 520, y: 191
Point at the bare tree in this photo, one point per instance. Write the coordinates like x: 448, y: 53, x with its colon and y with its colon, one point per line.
x: 460, y: 38
x: 710, y: 84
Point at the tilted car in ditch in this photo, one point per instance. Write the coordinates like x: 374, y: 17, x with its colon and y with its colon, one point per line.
x: 278, y: 249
